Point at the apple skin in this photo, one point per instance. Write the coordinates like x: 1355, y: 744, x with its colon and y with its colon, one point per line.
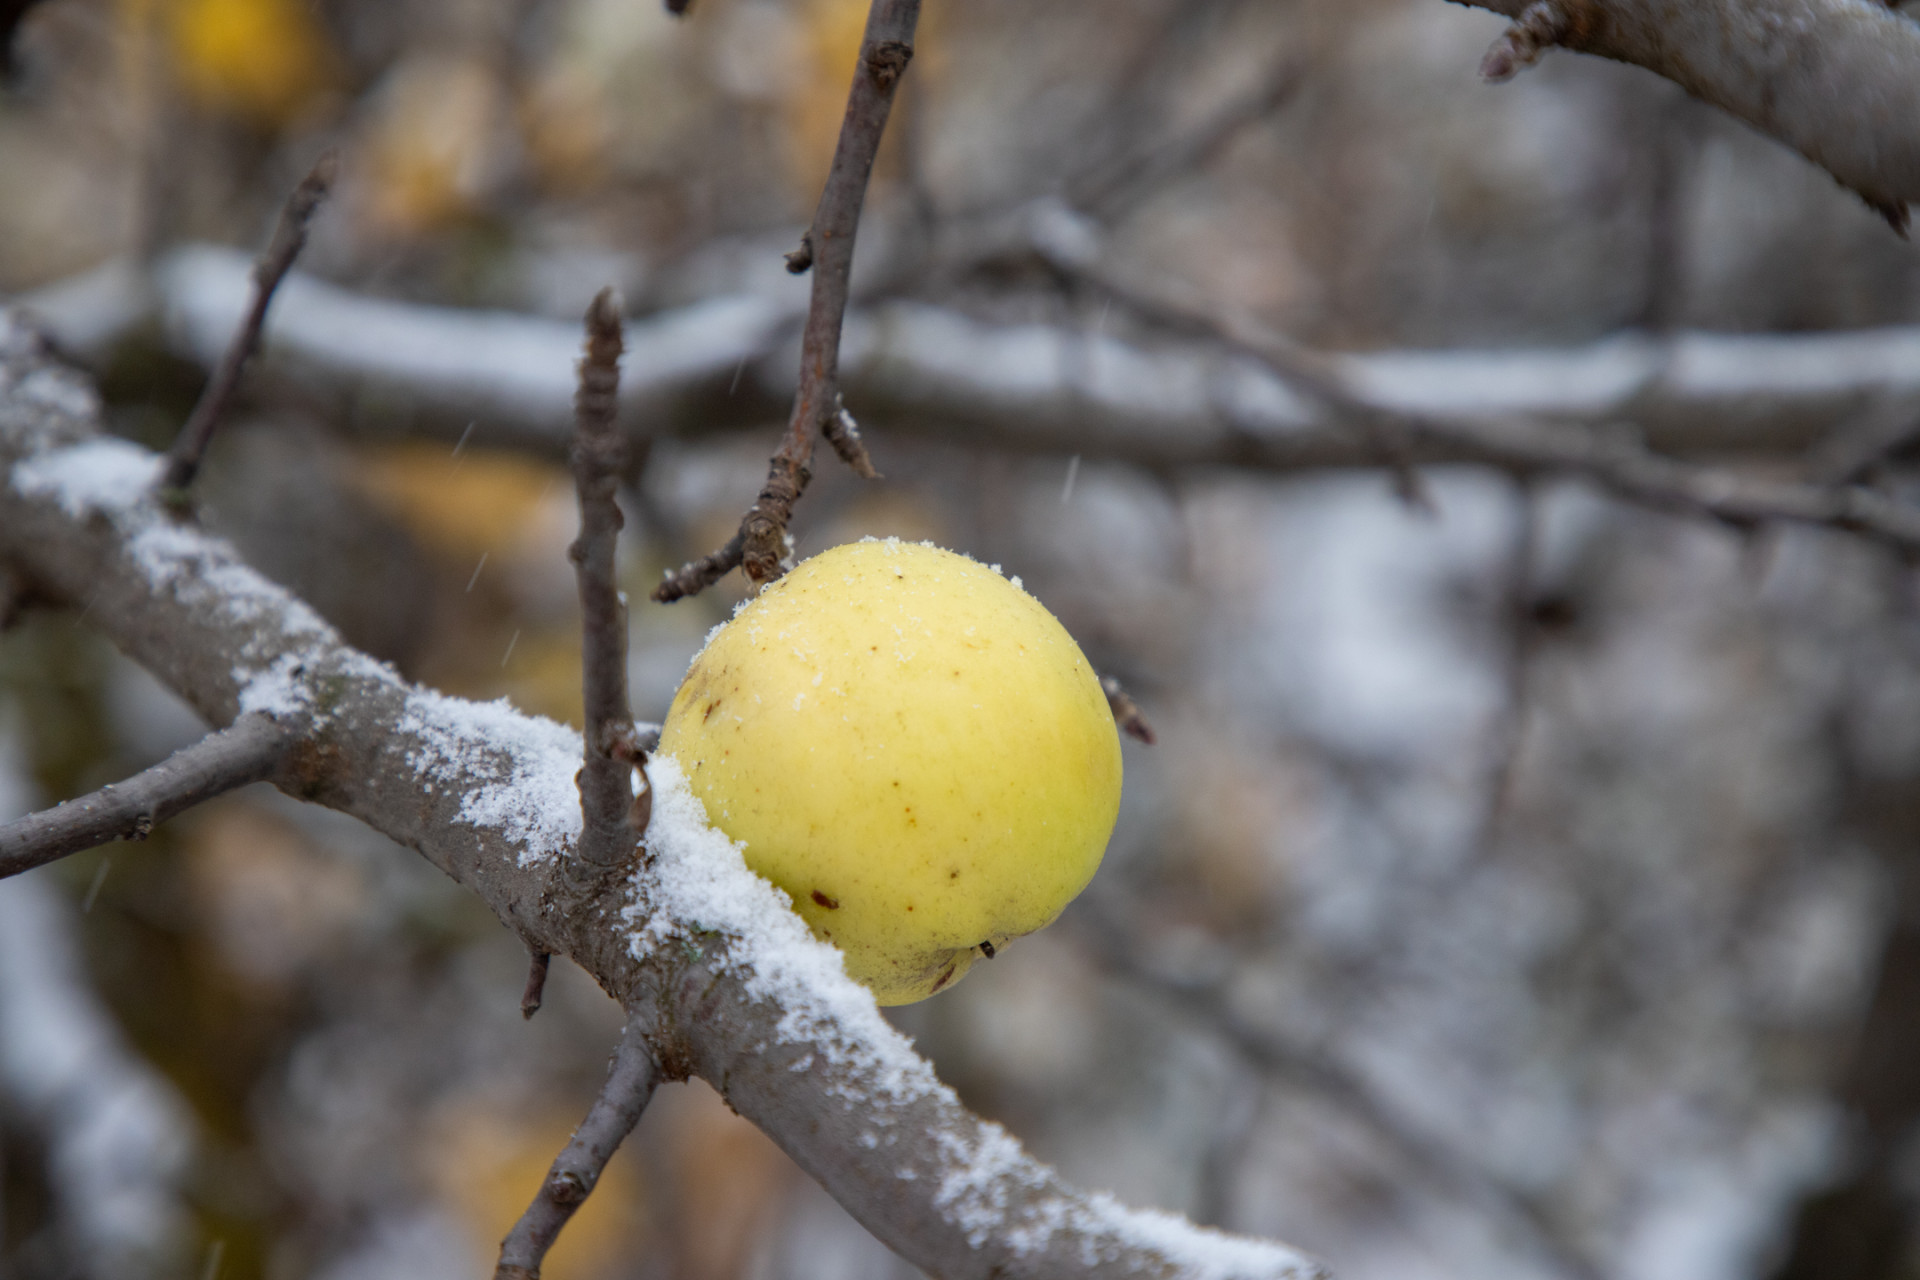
x: 912, y: 748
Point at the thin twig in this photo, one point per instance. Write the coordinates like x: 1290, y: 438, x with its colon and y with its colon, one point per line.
x: 827, y: 251
x: 247, y: 751
x: 607, y: 838
x: 289, y: 237
x: 1126, y: 712
x: 1524, y: 447
x: 536, y: 990
x: 630, y: 1081
x: 1112, y: 189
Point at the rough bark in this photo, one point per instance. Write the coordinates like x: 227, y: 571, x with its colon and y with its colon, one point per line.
x: 1837, y: 80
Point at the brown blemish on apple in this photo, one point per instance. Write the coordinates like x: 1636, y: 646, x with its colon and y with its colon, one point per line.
x: 946, y: 977
x: 831, y: 904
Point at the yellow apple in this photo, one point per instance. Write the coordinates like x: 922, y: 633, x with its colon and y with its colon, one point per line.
x: 912, y: 748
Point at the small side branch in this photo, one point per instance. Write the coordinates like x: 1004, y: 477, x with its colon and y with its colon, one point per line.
x: 289, y: 238
x: 536, y: 990
x: 827, y: 251
x: 608, y: 836
x: 1126, y: 712
x: 630, y: 1083
x: 1540, y: 26
x: 248, y: 751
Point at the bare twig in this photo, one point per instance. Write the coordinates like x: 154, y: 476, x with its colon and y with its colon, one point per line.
x: 289, y: 237
x: 885, y: 50
x: 606, y: 781
x: 1528, y: 448
x: 1126, y: 712
x: 247, y: 751
x: 1633, y: 472
x: 696, y: 576
x: 631, y: 1078
x: 1851, y: 453
x: 1840, y: 83
x: 1111, y: 189
x: 536, y: 990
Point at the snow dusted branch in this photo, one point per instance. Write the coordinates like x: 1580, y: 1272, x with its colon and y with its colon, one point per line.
x: 1034, y: 388
x: 1837, y: 80
x: 247, y: 751
x: 721, y: 977
x: 612, y: 824
x: 760, y: 550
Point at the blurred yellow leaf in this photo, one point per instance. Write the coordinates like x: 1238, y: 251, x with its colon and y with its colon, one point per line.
x: 833, y: 30
x: 262, y: 60
x: 434, y: 142
x: 564, y: 123
x: 542, y: 675
x: 464, y: 505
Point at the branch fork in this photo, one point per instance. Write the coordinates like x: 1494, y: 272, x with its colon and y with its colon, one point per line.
x: 761, y: 548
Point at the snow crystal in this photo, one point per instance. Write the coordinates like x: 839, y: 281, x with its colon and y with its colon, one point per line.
x: 276, y: 691
x: 104, y: 475
x: 698, y: 879
x: 526, y: 763
x: 975, y: 1194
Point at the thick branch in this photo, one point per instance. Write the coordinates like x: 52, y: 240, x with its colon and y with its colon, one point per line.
x: 289, y: 237
x: 1837, y: 80
x: 885, y: 50
x: 247, y: 751
x: 606, y: 780
x: 1031, y: 387
x: 724, y: 979
x: 631, y: 1078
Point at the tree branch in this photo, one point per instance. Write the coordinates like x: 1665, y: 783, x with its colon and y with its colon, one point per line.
x: 885, y: 50
x: 631, y: 1078
x: 1837, y: 80
x: 606, y: 780
x: 723, y: 979
x: 1032, y: 387
x: 289, y: 237
x: 247, y: 751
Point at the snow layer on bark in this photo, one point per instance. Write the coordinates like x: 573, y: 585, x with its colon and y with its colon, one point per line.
x: 528, y: 764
